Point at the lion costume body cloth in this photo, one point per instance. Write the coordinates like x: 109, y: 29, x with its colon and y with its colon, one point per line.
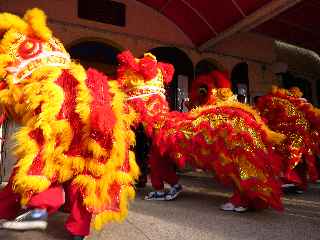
x: 287, y: 113
x: 75, y: 126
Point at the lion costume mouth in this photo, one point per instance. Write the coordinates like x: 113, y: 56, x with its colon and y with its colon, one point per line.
x: 28, y: 66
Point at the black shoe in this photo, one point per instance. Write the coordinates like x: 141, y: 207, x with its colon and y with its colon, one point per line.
x: 292, y: 189
x: 140, y: 185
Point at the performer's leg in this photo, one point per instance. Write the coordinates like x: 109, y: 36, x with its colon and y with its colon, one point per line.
x: 237, y: 202
x: 235, y: 199
x: 301, y: 170
x: 78, y: 223
x: 162, y: 169
x: 141, y: 151
x: 157, y: 173
x: 9, y: 203
x: 67, y: 205
x: 143, y: 165
x: 171, y: 177
x: 169, y: 171
x: 241, y: 203
x: 36, y: 212
x: 51, y: 199
x: 310, y: 165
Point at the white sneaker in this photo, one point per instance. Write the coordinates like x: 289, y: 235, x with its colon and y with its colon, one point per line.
x: 227, y: 206
x: 231, y: 207
x: 14, y: 225
x: 287, y: 185
x: 240, y: 209
x: 32, y: 219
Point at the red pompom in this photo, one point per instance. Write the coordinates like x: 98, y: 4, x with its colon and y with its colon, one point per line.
x: 167, y: 71
x: 127, y: 60
x: 148, y: 68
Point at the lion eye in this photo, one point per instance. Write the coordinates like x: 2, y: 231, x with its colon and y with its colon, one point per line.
x: 29, y: 48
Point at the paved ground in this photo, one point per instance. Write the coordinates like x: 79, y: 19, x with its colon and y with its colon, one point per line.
x: 195, y: 215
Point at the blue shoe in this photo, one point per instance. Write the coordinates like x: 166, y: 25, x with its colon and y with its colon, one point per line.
x: 32, y: 219
x: 155, y: 196
x: 173, y: 192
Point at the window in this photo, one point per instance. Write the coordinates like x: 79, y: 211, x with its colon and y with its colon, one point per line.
x: 104, y: 11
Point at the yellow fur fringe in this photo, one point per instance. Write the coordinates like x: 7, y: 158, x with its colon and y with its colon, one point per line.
x: 37, y: 20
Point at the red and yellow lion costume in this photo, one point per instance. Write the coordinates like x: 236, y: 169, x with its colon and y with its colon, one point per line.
x: 224, y: 136
x: 75, y: 123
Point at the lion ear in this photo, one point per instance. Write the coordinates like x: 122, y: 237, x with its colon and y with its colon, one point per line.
x: 38, y: 23
x: 274, y: 88
x: 8, y: 21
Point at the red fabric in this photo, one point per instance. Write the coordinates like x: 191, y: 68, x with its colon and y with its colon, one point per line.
x: 162, y: 170
x: 102, y: 118
x: 238, y: 200
x: 3, y: 116
x: 50, y: 199
x: 9, y: 203
x: 68, y: 111
x: 79, y: 220
x: 37, y: 163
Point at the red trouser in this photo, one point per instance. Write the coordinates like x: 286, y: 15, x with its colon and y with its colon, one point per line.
x: 161, y: 170
x: 51, y: 199
x: 239, y: 199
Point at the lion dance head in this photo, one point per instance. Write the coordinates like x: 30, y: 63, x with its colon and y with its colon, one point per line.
x: 26, y: 45
x: 204, y: 88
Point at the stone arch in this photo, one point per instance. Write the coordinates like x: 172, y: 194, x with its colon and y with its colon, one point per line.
x: 207, y: 65
x: 96, y: 52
